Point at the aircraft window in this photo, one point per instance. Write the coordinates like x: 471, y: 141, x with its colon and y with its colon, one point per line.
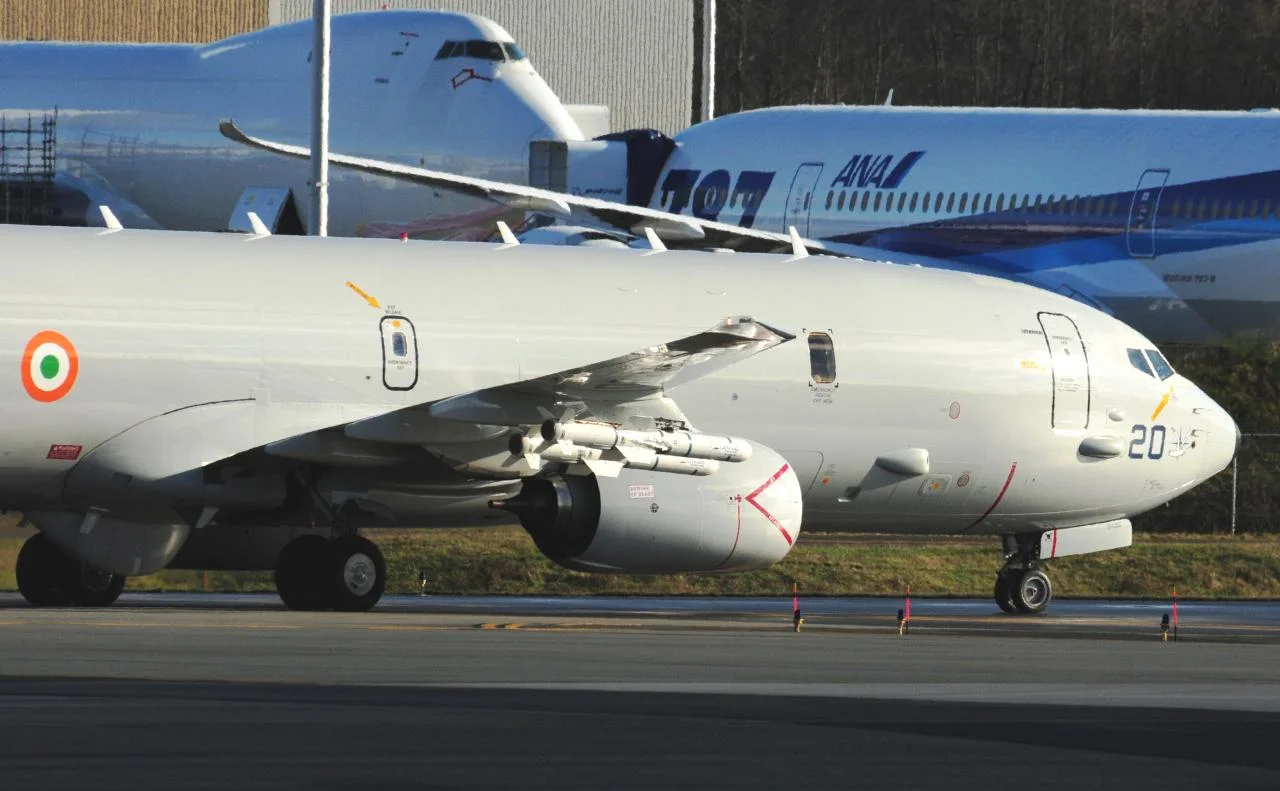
x: 485, y: 50
x: 915, y: 196
x: 937, y: 203
x: 877, y: 205
x: 1111, y: 207
x: 902, y: 200
x: 1075, y: 205
x: 866, y: 196
x: 1139, y: 360
x: 822, y: 358
x: 973, y: 207
x: 399, y: 344
x: 831, y: 196
x: 951, y: 202
x: 513, y: 50
x: 986, y: 204
x: 840, y: 201
x: 1026, y: 203
x: 1039, y: 204
x: 1163, y: 369
x: 446, y: 50
x: 1000, y: 202
x: 964, y: 201
x: 1213, y: 209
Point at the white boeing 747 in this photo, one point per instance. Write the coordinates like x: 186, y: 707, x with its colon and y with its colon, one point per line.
x: 638, y: 412
x: 137, y: 124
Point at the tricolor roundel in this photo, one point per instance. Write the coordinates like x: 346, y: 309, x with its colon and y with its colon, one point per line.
x: 49, y: 366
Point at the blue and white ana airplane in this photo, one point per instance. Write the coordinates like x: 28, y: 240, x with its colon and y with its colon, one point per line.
x: 1171, y: 220
x: 137, y: 124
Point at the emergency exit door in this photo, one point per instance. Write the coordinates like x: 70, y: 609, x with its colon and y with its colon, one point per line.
x: 1070, y: 366
x: 800, y: 199
x: 399, y: 353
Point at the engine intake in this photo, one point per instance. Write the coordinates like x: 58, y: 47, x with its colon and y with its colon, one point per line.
x: 746, y: 516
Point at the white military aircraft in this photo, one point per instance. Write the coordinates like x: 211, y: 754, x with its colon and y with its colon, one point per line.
x: 137, y: 124
x: 639, y: 412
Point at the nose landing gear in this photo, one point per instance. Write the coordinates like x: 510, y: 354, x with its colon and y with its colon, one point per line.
x: 1022, y: 585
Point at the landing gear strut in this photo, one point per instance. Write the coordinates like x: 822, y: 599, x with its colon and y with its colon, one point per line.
x: 49, y: 577
x: 347, y: 574
x: 1021, y: 585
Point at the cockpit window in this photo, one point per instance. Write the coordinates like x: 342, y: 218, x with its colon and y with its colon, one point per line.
x: 1163, y: 369
x: 485, y: 50
x: 482, y: 50
x: 1139, y: 360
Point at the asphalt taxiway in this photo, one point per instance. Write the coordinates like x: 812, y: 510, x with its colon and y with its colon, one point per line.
x: 174, y: 691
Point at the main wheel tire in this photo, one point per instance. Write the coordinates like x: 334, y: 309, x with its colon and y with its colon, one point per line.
x: 1004, y: 593
x: 356, y: 574
x: 44, y: 573
x: 96, y: 588
x: 1032, y: 591
x: 299, y: 574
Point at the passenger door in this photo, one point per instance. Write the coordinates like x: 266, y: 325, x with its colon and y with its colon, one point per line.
x: 800, y: 199
x: 1071, y: 385
x: 1141, y: 233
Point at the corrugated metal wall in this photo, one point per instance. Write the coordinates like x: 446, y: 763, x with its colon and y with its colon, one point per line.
x: 129, y: 20
x: 636, y: 56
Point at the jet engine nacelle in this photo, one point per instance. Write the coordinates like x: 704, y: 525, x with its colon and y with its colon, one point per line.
x: 745, y: 516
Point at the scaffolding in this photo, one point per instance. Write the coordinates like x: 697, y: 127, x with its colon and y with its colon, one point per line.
x: 27, y: 159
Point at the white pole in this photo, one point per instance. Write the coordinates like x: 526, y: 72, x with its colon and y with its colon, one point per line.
x: 320, y: 118
x: 1235, y: 473
x: 708, y: 59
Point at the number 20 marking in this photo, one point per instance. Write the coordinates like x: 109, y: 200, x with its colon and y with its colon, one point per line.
x: 1144, y: 443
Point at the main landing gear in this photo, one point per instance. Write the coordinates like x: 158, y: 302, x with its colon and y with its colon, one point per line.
x: 1021, y: 585
x: 49, y: 577
x: 346, y: 574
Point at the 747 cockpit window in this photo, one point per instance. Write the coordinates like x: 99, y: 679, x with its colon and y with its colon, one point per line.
x: 1139, y: 360
x: 1163, y: 369
x: 480, y: 49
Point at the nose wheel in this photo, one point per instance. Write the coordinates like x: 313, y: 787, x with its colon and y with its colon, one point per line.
x: 1023, y: 591
x: 1022, y: 586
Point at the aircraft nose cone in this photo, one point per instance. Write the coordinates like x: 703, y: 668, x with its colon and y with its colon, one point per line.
x: 1224, y: 441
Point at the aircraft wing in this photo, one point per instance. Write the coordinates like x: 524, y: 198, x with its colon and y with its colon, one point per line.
x: 669, y: 227
x: 617, y: 390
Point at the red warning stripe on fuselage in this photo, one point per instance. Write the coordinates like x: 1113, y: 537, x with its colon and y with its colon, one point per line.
x: 1013, y: 468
